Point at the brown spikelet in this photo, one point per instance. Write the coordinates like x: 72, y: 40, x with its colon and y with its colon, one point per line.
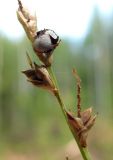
x: 83, y: 122
x: 28, y: 21
x: 40, y: 77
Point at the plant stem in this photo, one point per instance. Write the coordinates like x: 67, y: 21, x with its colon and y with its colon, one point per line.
x: 83, y: 150
x: 57, y: 93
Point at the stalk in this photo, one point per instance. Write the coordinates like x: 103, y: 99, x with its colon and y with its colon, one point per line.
x: 83, y: 150
x: 29, y: 23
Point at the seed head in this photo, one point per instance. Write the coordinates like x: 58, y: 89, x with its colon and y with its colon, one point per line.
x: 39, y: 76
x: 44, y: 44
x: 84, y: 121
x: 81, y: 126
x: 46, y: 41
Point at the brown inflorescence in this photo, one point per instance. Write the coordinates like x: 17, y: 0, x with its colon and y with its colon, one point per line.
x: 82, y: 123
x: 39, y: 76
x: 44, y: 41
x: 81, y: 126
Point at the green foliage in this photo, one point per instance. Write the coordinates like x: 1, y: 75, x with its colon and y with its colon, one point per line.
x: 29, y: 115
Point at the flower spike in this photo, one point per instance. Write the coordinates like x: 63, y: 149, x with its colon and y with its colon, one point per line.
x: 83, y: 122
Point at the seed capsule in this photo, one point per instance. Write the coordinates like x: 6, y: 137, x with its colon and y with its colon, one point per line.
x: 46, y: 41
x: 44, y: 44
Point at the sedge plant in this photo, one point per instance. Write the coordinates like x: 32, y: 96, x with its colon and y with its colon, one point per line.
x: 44, y: 43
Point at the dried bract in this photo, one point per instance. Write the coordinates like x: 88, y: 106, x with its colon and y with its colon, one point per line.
x: 40, y: 77
x: 86, y: 115
x: 28, y: 21
x: 81, y: 126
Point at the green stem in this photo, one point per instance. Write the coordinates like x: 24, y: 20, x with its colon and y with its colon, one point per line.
x: 50, y: 70
x: 84, y: 151
x: 57, y: 93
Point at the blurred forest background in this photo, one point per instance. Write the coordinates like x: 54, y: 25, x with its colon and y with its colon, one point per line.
x: 31, y: 123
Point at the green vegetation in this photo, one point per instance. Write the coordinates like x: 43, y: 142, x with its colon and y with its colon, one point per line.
x: 30, y: 119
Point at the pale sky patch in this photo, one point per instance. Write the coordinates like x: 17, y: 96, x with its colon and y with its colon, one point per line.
x: 66, y: 17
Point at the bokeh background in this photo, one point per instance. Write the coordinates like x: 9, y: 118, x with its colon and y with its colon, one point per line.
x: 32, y: 126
